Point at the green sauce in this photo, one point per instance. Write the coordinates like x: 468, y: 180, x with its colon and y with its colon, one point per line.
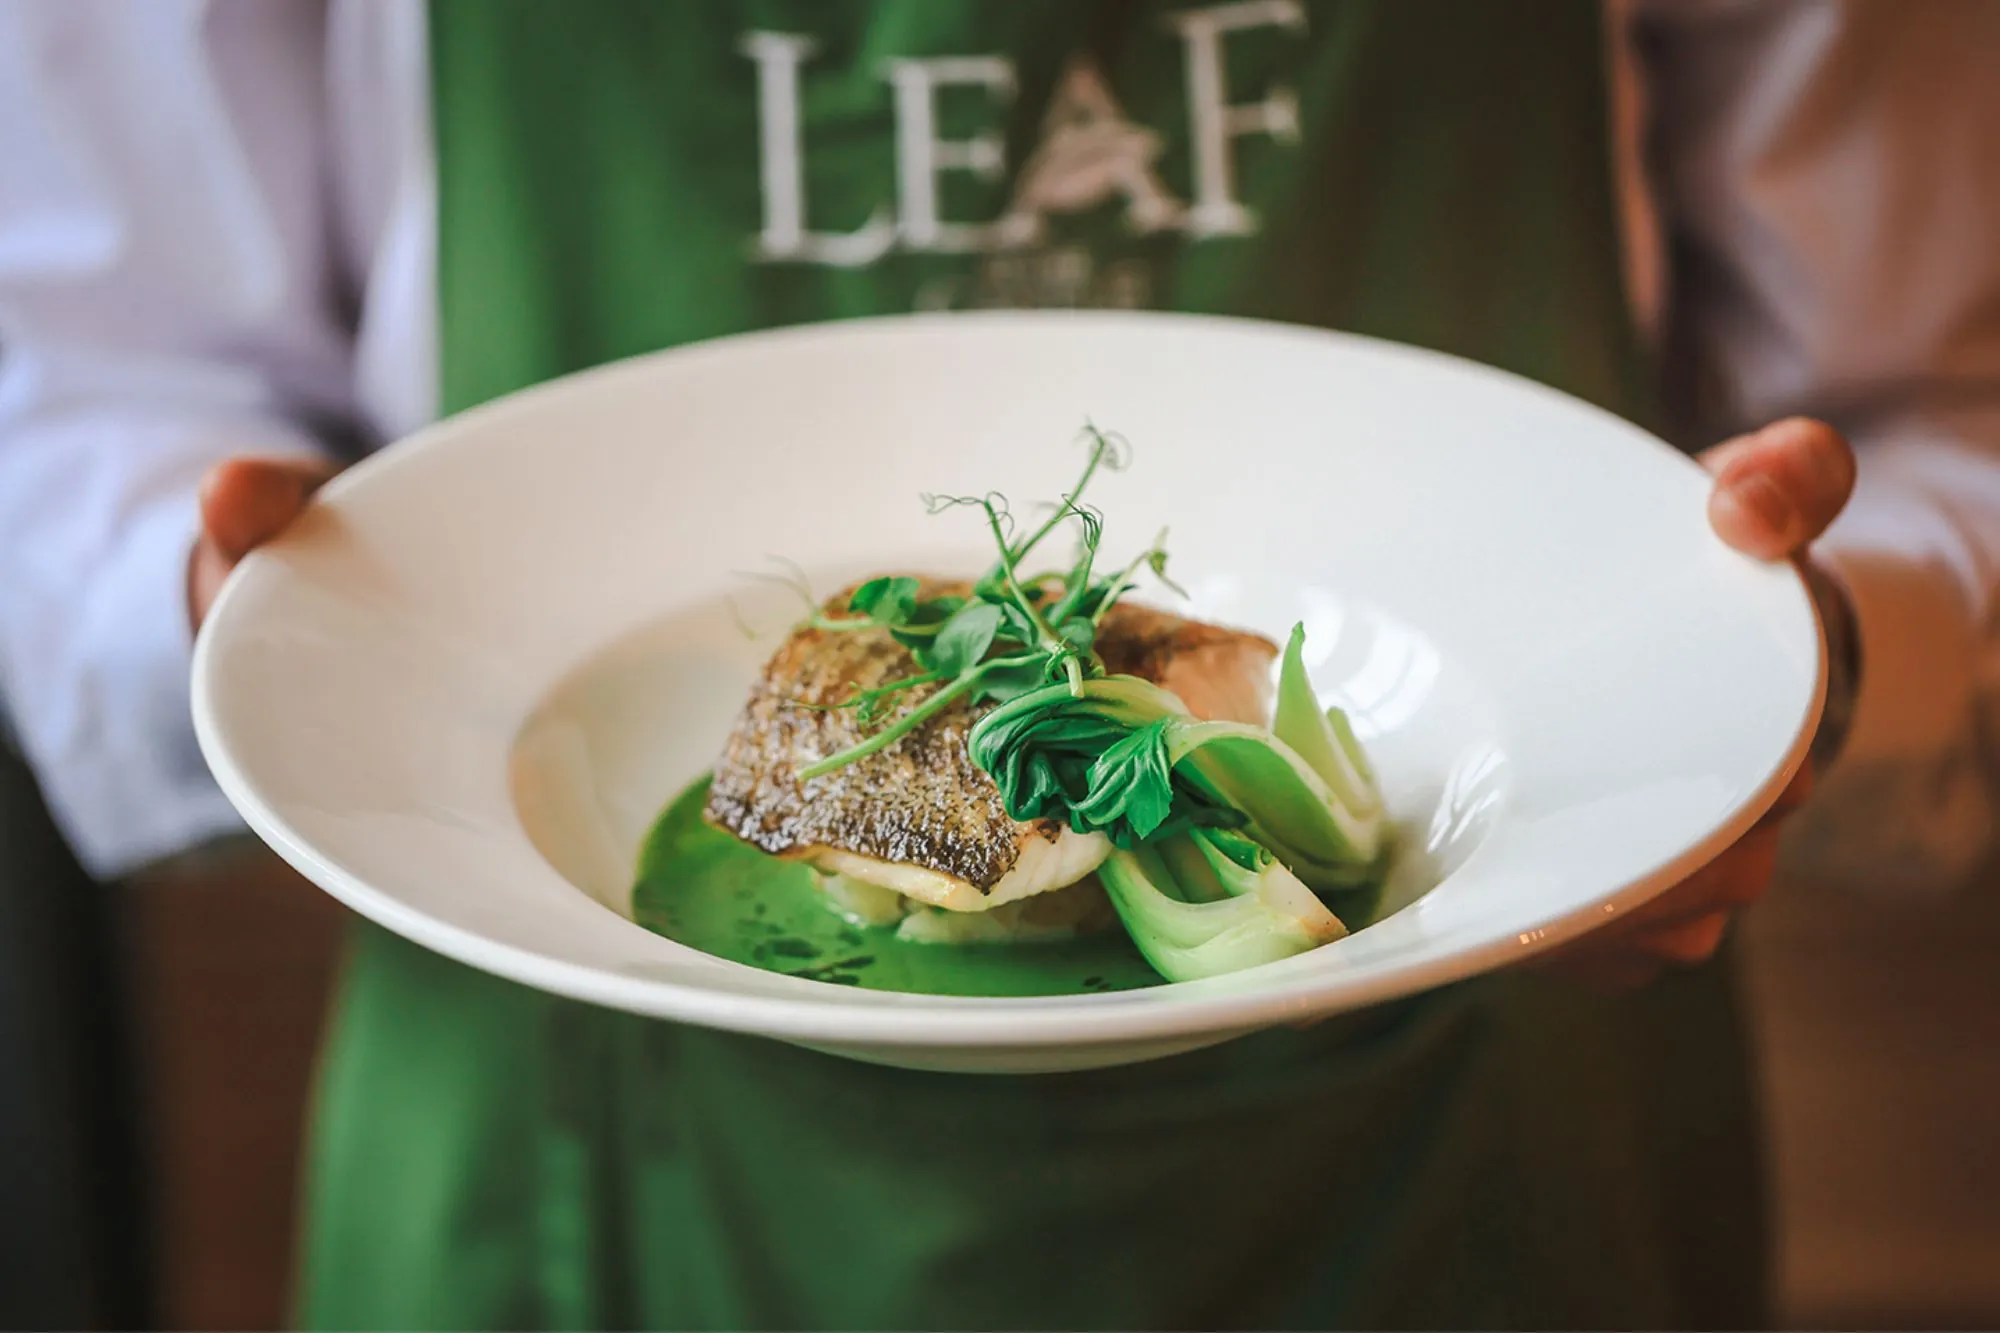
x: 705, y: 889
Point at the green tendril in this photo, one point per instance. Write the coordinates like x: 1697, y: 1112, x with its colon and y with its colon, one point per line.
x: 1015, y: 628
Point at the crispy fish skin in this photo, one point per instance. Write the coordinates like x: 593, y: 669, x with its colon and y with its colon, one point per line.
x: 922, y: 802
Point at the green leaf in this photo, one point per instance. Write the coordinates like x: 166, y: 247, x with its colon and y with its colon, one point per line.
x: 888, y: 599
x: 963, y: 640
x: 992, y: 586
x: 1350, y: 745
x: 1017, y: 625
x: 1004, y: 684
x: 1038, y: 746
x: 1210, y: 865
x: 1131, y: 781
x: 1325, y: 740
x: 926, y: 619
x: 1096, y: 760
x: 1080, y: 633
x: 1242, y: 850
x: 1195, y: 911
x: 1156, y: 560
x: 1290, y: 808
x: 864, y: 598
x: 1125, y: 759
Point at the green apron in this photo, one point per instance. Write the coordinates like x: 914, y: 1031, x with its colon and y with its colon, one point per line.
x: 621, y: 176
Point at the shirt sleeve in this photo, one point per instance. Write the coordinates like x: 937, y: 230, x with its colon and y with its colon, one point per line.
x: 1828, y: 179
x: 166, y: 300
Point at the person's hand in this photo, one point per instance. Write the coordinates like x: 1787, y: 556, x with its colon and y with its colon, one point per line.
x: 1775, y: 491
x: 245, y: 502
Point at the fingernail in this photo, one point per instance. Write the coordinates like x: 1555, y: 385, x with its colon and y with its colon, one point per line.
x: 1763, y: 502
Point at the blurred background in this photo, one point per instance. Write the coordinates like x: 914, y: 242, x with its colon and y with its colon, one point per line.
x: 157, y: 1038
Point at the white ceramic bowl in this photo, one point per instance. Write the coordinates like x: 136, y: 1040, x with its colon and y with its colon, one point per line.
x: 458, y: 693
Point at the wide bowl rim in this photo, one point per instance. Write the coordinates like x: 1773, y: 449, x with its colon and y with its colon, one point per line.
x: 930, y: 1022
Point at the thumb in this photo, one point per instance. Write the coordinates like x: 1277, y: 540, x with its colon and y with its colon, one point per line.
x: 245, y: 502
x: 1778, y: 488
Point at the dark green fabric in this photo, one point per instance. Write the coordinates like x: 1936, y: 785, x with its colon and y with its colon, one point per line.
x: 1505, y: 1153
x: 598, y: 175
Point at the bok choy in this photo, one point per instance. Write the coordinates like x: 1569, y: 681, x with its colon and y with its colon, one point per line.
x: 1210, y: 901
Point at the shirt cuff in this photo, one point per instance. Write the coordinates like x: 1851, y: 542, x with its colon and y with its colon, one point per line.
x: 1907, y: 808
x: 1919, y: 647
x: 131, y: 786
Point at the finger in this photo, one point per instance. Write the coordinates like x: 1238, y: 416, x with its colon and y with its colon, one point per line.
x: 1778, y: 488
x: 1643, y: 956
x: 206, y: 571
x: 1796, y: 793
x: 245, y: 502
x: 1734, y: 879
x: 1686, y: 944
x: 1679, y: 927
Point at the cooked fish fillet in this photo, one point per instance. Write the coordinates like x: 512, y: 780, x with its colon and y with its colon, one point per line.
x: 919, y: 817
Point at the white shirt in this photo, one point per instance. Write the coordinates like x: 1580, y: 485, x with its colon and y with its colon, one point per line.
x: 217, y: 232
